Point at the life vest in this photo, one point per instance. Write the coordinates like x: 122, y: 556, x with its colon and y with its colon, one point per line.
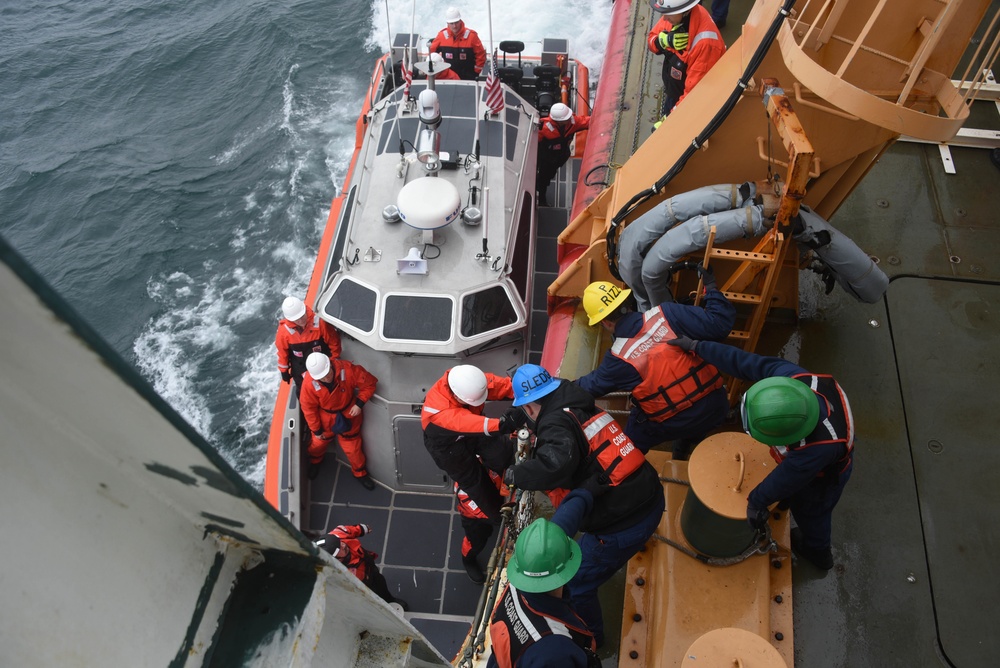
x: 611, y: 451
x: 515, y: 626
x: 672, y: 380
x: 836, y: 427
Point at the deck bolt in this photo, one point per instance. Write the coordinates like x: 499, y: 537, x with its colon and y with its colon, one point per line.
x: 893, y: 260
x: 954, y: 259
x: 935, y: 446
x: 779, y: 636
x: 637, y: 617
x: 874, y: 324
x: 960, y: 212
x: 640, y: 581
x: 778, y: 599
x: 874, y: 258
x: 976, y: 269
x: 882, y: 203
x: 911, y: 578
x: 776, y: 563
x: 633, y: 654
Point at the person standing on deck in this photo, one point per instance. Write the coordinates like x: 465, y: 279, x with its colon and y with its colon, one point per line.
x: 343, y: 544
x: 333, y: 395
x: 691, y: 44
x: 675, y: 396
x: 301, y: 332
x: 807, y: 421
x: 532, y: 624
x: 554, y: 136
x: 460, y: 46
x: 456, y: 432
x: 575, y: 442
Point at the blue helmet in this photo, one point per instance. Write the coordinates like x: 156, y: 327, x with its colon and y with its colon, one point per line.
x: 532, y: 382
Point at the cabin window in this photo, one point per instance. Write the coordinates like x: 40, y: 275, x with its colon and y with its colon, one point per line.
x: 353, y: 304
x: 417, y: 318
x: 487, y: 310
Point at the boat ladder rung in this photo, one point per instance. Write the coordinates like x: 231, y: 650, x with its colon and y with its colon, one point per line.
x: 742, y: 297
x: 745, y: 256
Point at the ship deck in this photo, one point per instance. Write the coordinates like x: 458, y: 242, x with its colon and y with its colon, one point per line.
x: 914, y: 575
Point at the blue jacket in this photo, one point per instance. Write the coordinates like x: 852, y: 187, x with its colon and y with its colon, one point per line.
x: 801, y: 465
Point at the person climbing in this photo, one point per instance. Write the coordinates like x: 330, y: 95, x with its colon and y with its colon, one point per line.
x: 477, y: 526
x: 554, y: 136
x: 456, y: 432
x: 675, y: 396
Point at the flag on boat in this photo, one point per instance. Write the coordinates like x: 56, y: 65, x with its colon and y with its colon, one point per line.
x: 407, y: 75
x: 494, y: 93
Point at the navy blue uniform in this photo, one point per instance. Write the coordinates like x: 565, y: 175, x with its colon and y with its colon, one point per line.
x: 812, y: 473
x: 713, y: 322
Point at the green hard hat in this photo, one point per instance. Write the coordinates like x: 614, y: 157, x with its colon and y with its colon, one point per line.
x: 779, y: 411
x: 545, y: 558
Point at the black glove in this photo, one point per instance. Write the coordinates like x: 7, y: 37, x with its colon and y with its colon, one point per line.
x: 757, y: 517
x: 508, y: 476
x: 707, y: 278
x: 286, y: 376
x: 512, y: 420
x: 596, y: 484
x: 684, y: 343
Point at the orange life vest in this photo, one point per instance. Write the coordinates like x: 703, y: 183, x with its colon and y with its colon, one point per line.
x: 672, y: 379
x: 611, y: 451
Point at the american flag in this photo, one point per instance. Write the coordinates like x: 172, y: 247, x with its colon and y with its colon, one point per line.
x: 407, y: 76
x: 494, y: 93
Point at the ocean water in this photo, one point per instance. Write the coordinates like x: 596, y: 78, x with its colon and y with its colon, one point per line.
x: 168, y: 167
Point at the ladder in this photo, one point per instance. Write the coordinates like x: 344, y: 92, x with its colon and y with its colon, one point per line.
x: 754, y: 279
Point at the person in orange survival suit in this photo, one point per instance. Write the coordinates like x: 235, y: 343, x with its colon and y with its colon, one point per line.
x: 554, y: 136
x: 691, y: 44
x: 455, y: 432
x: 344, y: 545
x: 477, y: 526
x: 460, y: 46
x: 301, y: 332
x: 333, y: 394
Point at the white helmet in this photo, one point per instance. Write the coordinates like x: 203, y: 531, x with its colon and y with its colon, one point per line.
x: 468, y: 383
x: 672, y: 6
x: 293, y: 308
x: 436, y: 57
x: 318, y: 365
x: 452, y: 15
x: 560, y: 112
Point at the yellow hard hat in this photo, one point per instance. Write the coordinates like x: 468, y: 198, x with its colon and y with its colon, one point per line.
x: 601, y: 298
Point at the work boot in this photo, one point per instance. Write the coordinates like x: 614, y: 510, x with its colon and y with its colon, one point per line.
x: 473, y: 569
x: 995, y: 156
x: 313, y: 469
x: 366, y: 482
x: 821, y: 559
